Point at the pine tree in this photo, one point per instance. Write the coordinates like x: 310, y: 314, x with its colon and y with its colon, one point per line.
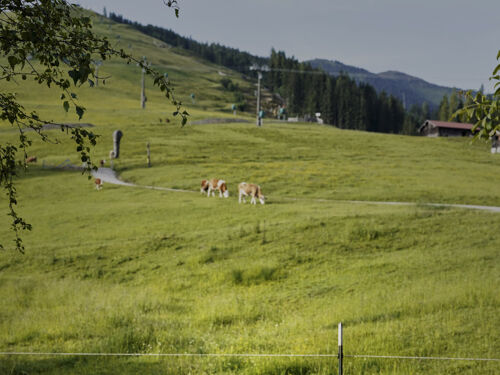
x: 453, y: 103
x: 426, y: 114
x: 444, y: 109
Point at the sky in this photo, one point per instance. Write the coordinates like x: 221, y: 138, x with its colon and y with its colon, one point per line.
x: 447, y: 42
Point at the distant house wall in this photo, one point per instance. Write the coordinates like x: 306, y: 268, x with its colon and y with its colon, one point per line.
x: 449, y: 132
x: 432, y: 128
x: 429, y: 131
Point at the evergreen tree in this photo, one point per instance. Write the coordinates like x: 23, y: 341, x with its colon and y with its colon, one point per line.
x: 454, y: 102
x: 426, y: 114
x: 328, y: 101
x: 444, y: 109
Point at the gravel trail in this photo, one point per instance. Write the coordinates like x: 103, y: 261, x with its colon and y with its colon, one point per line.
x: 109, y: 176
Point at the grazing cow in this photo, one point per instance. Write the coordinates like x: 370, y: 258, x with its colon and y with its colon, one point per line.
x: 31, y: 159
x: 204, y: 186
x: 98, y: 183
x: 252, y: 190
x: 209, y: 186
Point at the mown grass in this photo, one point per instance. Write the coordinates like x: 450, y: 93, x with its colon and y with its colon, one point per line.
x: 136, y: 270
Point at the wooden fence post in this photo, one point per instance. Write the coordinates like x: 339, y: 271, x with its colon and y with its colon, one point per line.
x: 149, y: 154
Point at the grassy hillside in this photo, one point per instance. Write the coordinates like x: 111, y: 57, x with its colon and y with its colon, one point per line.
x: 122, y: 89
x: 136, y: 270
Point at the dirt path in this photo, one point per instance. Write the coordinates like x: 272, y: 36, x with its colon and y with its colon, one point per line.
x: 109, y: 176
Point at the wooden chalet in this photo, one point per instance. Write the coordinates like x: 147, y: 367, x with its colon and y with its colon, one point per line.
x: 431, y: 128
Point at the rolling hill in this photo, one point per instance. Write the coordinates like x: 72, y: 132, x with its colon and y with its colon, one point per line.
x: 131, y: 270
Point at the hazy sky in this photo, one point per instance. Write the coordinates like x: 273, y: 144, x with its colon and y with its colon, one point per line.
x: 447, y: 42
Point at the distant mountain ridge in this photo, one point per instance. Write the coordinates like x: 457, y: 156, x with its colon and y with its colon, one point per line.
x: 410, y: 90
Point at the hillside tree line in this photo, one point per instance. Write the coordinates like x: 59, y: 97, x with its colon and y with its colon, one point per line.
x: 340, y: 100
x: 229, y: 57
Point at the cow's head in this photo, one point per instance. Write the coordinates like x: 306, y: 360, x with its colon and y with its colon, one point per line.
x: 262, y: 199
x: 226, y: 193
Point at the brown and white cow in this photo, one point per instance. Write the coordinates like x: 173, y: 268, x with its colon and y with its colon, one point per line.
x: 209, y: 186
x: 98, y: 183
x: 204, y: 186
x: 251, y: 190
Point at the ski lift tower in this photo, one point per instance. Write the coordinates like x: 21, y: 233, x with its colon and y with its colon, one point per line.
x: 145, y: 64
x: 259, y: 70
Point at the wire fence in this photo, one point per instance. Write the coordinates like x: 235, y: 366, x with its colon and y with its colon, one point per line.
x: 270, y: 355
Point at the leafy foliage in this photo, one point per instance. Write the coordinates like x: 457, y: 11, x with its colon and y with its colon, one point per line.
x: 62, y: 56
x: 483, y: 109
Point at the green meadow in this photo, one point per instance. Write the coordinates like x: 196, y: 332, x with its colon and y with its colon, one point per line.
x: 135, y: 270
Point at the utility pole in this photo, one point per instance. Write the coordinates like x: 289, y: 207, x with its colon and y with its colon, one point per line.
x: 259, y: 70
x: 143, y: 91
x: 259, y: 123
x: 143, y: 83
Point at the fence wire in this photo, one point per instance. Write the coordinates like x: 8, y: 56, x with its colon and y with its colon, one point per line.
x: 247, y: 355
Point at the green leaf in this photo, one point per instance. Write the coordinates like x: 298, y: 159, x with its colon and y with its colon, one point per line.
x: 497, y: 69
x: 73, y: 95
x: 66, y: 105
x: 13, y: 61
x: 79, y: 112
x: 75, y: 75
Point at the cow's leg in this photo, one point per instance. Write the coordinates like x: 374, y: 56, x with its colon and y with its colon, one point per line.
x: 253, y: 200
x: 239, y: 197
x: 209, y: 191
x: 242, y: 195
x: 220, y: 193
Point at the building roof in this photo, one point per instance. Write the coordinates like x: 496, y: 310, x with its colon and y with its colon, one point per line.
x: 449, y: 125
x: 453, y: 125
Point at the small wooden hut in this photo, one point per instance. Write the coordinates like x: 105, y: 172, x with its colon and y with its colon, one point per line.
x: 431, y: 128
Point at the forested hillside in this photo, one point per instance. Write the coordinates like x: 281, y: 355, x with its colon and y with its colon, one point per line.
x: 304, y: 91
x: 340, y: 100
